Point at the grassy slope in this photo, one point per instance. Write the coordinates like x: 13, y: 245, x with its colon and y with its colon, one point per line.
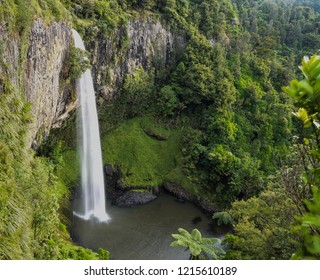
x: 144, y: 160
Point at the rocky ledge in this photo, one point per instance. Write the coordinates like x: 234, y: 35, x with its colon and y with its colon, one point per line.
x: 124, y: 196
x: 130, y: 198
x: 184, y: 195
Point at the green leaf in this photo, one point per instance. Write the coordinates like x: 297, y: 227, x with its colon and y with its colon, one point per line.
x: 195, y: 249
x: 223, y: 218
x: 178, y: 243
x: 196, y: 234
x: 302, y: 114
x: 304, y: 84
x: 315, y: 153
x: 183, y: 232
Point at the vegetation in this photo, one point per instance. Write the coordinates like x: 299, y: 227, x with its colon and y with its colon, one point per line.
x: 199, y: 247
x: 270, y: 219
x: 32, y: 197
x: 213, y: 119
x: 262, y: 227
x: 144, y: 160
x: 222, y: 218
x: 136, y: 90
x: 306, y: 94
x: 78, y: 62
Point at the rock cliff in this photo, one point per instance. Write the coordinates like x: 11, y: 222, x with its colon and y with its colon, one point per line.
x: 42, y: 73
x: 144, y: 41
x: 39, y: 73
x: 44, y: 78
x: 9, y: 58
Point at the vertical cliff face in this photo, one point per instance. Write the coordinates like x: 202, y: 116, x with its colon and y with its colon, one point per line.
x: 9, y: 57
x: 143, y: 42
x: 44, y: 77
x: 40, y: 74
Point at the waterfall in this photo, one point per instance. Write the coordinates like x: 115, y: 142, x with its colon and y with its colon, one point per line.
x: 92, y: 180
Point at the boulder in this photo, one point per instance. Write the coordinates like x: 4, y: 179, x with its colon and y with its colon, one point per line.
x: 120, y: 185
x: 109, y: 170
x: 131, y: 198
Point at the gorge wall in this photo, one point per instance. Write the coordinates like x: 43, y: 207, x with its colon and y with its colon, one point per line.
x: 44, y: 78
x: 144, y: 41
x: 36, y: 66
x: 42, y: 72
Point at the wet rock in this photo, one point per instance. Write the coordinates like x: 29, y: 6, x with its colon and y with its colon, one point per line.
x: 183, y: 195
x: 120, y: 185
x: 122, y: 195
x: 109, y: 170
x: 178, y: 191
x: 131, y: 198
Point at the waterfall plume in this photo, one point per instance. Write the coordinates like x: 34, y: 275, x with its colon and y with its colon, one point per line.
x: 92, y: 179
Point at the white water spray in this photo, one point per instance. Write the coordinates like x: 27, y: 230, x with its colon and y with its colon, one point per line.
x: 92, y: 180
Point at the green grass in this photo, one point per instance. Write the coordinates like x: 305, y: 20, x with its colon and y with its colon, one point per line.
x: 147, y: 124
x: 177, y: 176
x: 69, y: 172
x: 144, y: 160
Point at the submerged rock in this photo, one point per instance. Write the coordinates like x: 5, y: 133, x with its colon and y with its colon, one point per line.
x: 196, y: 220
x: 131, y: 198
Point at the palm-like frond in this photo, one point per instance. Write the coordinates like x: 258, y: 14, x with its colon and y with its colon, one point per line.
x: 199, y: 247
x: 196, y: 235
x: 223, y: 218
x: 211, y: 247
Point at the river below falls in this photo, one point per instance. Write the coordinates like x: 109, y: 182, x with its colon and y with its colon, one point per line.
x: 143, y: 232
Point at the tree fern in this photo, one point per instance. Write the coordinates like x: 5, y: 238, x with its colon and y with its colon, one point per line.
x: 222, y: 218
x: 198, y: 246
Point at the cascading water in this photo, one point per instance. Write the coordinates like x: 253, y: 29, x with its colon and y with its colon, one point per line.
x: 92, y: 180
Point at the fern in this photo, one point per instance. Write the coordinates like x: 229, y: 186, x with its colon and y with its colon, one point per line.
x: 199, y: 247
x: 223, y: 218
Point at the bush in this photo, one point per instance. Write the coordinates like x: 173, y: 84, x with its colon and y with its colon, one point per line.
x: 136, y: 92
x: 78, y: 62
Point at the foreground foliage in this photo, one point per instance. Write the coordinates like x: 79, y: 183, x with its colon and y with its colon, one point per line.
x: 262, y: 227
x: 198, y: 246
x: 283, y: 222
x: 306, y: 94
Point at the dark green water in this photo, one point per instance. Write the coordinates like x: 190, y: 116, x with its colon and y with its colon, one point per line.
x: 143, y: 232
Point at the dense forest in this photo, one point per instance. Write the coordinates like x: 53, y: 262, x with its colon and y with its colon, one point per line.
x: 232, y: 111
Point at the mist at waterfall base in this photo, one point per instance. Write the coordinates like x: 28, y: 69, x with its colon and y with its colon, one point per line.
x: 92, y: 180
